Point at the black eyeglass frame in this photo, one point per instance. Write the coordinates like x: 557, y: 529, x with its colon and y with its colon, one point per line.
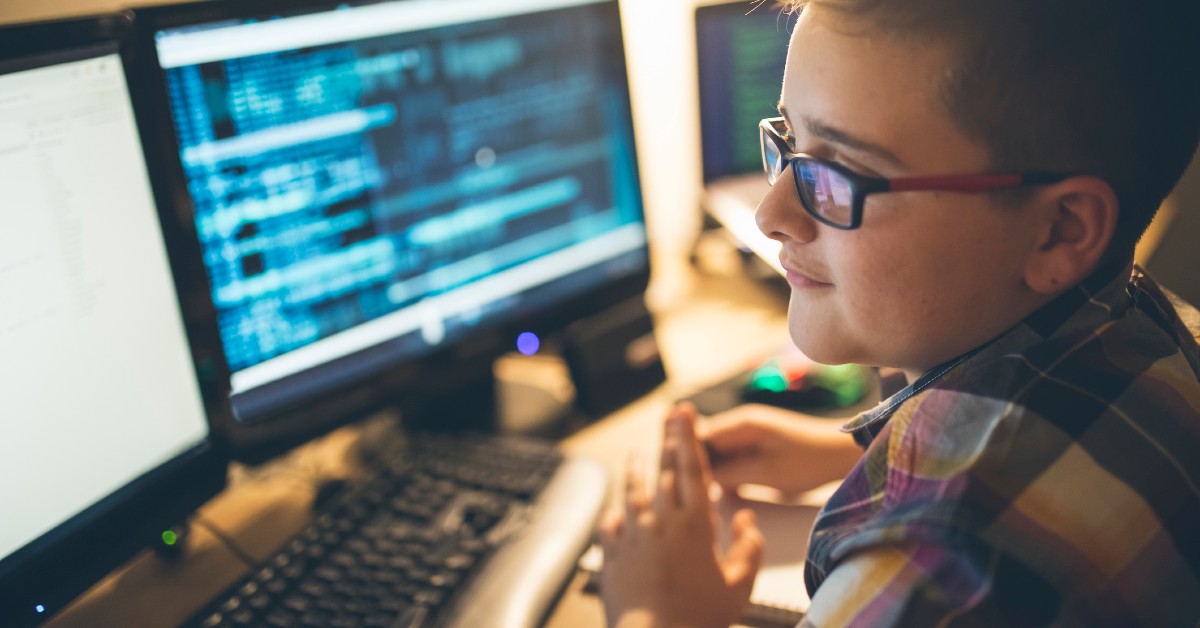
x: 861, y: 186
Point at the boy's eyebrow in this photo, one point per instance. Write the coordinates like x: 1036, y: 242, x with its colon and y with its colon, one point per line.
x: 838, y: 136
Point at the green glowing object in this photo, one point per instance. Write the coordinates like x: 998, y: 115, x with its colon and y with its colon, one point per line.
x: 768, y: 378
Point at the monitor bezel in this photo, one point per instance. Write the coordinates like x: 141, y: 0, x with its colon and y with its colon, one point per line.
x: 463, y: 363
x: 59, y: 565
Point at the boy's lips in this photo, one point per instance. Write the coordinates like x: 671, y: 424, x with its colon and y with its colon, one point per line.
x: 800, y: 278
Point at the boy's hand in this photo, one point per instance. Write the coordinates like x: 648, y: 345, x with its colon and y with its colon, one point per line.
x: 792, y: 452
x: 662, y: 566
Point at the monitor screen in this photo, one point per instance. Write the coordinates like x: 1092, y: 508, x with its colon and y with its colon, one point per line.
x: 102, y: 402
x: 378, y: 183
x: 741, y: 48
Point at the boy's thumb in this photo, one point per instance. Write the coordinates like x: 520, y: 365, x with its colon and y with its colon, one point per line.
x: 745, y: 554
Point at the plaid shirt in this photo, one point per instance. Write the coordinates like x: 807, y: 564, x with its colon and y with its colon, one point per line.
x: 1048, y: 477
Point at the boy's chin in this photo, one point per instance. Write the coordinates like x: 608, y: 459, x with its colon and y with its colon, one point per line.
x: 819, y: 347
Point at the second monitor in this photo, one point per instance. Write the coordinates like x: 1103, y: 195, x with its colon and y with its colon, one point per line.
x: 388, y: 193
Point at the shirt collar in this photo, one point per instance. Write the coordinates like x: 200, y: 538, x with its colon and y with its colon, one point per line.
x: 1105, y: 288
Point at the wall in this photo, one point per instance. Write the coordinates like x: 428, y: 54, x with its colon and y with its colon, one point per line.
x: 1176, y: 260
x: 28, y: 10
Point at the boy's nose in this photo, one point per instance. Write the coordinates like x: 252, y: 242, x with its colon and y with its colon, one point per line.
x: 781, y: 217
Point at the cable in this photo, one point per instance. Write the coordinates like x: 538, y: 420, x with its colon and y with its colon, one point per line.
x: 225, y: 539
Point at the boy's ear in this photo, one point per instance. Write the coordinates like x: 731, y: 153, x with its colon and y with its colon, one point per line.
x: 1079, y: 219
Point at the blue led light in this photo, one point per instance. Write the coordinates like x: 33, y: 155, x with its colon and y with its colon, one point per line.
x: 39, y: 608
x: 528, y: 343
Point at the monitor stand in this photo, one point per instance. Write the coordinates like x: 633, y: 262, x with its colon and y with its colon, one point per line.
x: 462, y: 399
x: 517, y: 394
x: 595, y: 366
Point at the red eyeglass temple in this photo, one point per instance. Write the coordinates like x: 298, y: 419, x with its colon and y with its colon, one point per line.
x: 956, y: 183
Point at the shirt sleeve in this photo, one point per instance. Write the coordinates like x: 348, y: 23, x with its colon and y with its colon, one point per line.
x: 914, y: 585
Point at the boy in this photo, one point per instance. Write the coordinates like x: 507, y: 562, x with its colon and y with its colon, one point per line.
x: 1043, y: 465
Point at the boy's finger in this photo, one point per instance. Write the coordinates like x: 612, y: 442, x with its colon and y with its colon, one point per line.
x: 611, y: 526
x: 666, y: 498
x: 731, y: 436
x: 730, y: 441
x: 667, y: 495
x: 692, y: 463
x: 636, y: 496
x: 745, y: 555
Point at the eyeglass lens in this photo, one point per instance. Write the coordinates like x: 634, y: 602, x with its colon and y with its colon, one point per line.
x: 773, y: 163
x: 824, y: 192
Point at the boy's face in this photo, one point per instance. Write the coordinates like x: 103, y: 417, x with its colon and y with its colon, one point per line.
x: 928, y: 275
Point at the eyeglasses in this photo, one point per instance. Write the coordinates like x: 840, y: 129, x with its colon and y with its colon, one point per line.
x: 834, y: 195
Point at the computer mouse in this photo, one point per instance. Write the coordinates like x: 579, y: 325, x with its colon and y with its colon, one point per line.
x: 793, y: 381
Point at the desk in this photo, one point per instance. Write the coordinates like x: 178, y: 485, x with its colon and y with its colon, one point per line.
x: 265, y: 505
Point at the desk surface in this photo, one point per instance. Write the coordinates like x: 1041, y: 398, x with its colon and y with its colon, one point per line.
x: 265, y: 505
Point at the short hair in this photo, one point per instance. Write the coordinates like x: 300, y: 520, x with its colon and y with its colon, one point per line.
x: 1096, y: 87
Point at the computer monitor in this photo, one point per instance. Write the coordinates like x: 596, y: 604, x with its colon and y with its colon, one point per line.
x: 741, y: 48
x: 105, y: 438
x: 388, y: 193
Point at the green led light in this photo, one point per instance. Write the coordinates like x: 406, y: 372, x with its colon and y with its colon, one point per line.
x: 848, y: 383
x: 768, y: 378
x: 169, y: 537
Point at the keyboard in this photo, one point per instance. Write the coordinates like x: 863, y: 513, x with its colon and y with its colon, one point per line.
x: 480, y: 531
